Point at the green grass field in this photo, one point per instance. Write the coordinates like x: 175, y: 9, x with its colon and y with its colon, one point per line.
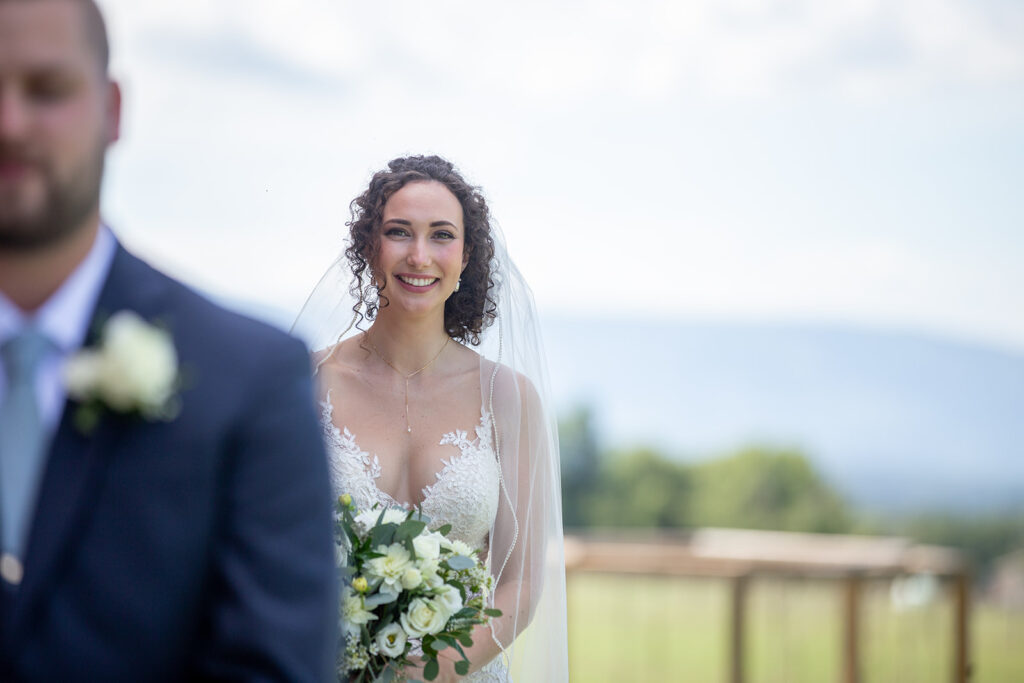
x: 633, y: 628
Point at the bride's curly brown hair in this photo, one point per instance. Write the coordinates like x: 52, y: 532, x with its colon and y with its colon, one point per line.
x: 466, y: 312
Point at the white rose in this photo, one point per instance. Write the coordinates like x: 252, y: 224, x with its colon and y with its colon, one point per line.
x: 412, y: 578
x: 423, y: 616
x: 427, y: 546
x: 81, y: 373
x: 449, y: 598
x: 138, y: 364
x: 391, y: 640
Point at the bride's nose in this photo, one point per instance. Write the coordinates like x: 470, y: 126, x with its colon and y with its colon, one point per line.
x: 419, y: 255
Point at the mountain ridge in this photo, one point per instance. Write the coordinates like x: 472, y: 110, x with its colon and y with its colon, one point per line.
x: 895, y: 419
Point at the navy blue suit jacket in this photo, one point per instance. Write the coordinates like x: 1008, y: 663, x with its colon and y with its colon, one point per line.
x: 195, y: 549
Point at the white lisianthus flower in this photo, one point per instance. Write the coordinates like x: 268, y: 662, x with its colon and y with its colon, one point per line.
x: 390, y: 568
x: 411, y: 579
x: 423, y: 617
x: 353, y: 612
x: 391, y: 640
x: 450, y: 598
x: 427, y: 546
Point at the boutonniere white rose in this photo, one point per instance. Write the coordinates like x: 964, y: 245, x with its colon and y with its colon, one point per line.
x: 133, y: 369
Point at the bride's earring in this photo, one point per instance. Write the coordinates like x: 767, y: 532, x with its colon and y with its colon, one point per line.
x: 458, y: 284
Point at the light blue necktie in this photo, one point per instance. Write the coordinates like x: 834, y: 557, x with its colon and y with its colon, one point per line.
x: 22, y: 437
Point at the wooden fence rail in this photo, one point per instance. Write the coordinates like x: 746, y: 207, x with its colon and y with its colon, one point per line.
x: 744, y: 555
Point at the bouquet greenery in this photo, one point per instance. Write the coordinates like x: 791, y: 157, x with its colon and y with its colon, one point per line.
x: 408, y: 591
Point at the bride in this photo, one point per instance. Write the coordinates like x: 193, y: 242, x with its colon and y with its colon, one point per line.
x: 433, y: 389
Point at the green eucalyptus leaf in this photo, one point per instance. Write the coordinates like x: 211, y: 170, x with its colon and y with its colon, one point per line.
x: 380, y: 599
x: 431, y: 670
x: 383, y: 534
x: 492, y: 612
x: 462, y: 668
x: 459, y: 562
x: 409, y: 529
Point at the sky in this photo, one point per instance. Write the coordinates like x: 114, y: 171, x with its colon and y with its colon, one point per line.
x: 853, y: 162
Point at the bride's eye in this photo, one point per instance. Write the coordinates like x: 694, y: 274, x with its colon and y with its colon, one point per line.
x: 396, y: 232
x: 444, y: 235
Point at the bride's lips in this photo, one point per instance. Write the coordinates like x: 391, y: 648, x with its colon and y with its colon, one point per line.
x: 417, y: 283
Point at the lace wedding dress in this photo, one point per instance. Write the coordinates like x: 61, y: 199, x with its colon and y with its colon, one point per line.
x: 465, y: 493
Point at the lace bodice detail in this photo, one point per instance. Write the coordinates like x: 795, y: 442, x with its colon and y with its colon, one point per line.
x: 464, y: 494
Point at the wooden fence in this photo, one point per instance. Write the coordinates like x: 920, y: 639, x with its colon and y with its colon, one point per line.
x: 742, y: 556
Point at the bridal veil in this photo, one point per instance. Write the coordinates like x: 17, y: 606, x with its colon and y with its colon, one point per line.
x: 526, y: 550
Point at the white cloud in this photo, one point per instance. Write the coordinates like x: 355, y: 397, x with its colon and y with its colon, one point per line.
x: 553, y: 52
x: 717, y: 138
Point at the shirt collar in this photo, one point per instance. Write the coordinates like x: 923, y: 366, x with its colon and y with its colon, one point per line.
x: 65, y: 316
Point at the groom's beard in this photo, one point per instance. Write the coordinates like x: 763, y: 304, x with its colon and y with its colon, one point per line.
x: 43, y: 209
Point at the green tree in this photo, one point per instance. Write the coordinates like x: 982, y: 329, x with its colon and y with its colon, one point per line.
x: 640, y: 488
x: 759, y: 488
x: 580, y: 462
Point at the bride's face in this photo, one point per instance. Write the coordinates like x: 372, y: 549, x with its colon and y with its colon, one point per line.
x: 422, y: 242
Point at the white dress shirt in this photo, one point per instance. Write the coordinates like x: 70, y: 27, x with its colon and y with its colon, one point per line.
x: 64, y: 318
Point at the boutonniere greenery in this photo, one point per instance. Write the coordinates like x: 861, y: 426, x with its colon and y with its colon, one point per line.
x: 132, y: 370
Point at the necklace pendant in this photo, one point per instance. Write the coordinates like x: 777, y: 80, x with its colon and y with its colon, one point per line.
x: 408, y: 428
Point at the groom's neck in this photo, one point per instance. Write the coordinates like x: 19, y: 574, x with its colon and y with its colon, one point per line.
x: 30, y: 278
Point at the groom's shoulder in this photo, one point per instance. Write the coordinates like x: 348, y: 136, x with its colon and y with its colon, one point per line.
x: 216, y: 328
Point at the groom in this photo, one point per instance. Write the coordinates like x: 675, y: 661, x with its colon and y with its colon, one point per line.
x: 164, y: 501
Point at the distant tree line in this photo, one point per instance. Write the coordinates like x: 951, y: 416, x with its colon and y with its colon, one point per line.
x: 754, y: 488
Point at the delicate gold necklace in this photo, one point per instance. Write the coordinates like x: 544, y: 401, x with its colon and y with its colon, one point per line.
x: 408, y: 427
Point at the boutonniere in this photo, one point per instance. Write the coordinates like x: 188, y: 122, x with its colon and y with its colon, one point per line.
x: 133, y: 370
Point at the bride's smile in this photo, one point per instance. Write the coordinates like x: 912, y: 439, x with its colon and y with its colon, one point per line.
x: 422, y: 247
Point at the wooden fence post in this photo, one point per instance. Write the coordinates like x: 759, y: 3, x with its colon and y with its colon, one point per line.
x: 851, y: 629
x: 737, y: 628
x: 961, y: 627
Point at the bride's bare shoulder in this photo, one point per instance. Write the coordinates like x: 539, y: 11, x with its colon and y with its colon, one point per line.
x: 338, y: 365
x: 508, y: 383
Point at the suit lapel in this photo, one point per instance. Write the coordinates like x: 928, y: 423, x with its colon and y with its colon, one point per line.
x: 76, y: 460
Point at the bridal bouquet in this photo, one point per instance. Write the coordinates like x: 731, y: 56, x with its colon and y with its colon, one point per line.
x: 412, y: 592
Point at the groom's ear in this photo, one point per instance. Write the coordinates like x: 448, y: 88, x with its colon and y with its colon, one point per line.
x: 113, y: 122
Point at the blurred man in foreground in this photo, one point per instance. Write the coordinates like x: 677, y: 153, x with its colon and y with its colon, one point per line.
x: 164, y: 509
